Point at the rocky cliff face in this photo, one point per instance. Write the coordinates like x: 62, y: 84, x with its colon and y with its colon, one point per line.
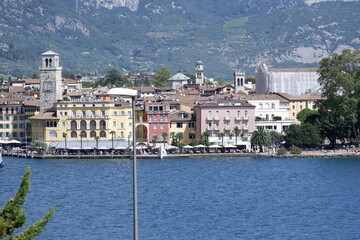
x: 140, y: 35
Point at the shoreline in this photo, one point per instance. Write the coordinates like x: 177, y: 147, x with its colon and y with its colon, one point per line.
x: 304, y: 154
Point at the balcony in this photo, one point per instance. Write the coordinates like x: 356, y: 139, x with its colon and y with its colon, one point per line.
x: 209, y: 128
x: 238, y: 118
x: 209, y: 118
x: 246, y: 118
x: 216, y: 128
x: 227, y: 118
x: 227, y: 128
x: 217, y: 118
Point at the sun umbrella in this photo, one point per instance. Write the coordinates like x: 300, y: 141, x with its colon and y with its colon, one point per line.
x: 188, y: 147
x: 13, y: 141
x: 215, y: 146
x: 200, y: 146
x: 230, y: 146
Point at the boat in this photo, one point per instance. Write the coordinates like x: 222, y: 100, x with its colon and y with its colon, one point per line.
x: 1, y: 161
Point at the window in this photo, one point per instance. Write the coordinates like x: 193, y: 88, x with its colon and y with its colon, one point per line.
x: 52, y: 134
x: 179, y: 125
x: 121, y: 125
x: 150, y: 118
x: 155, y: 126
x: 191, y: 124
x: 114, y: 123
x: 15, y: 125
x: 63, y: 124
x: 210, y: 114
x: 161, y: 126
x: 122, y: 134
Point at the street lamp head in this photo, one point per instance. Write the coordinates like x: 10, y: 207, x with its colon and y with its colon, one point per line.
x: 123, y: 92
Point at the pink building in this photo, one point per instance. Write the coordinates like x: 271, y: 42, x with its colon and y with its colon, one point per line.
x: 222, y: 116
x: 157, y: 116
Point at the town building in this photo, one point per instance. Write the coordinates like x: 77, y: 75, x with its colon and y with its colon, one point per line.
x: 182, y: 124
x: 222, y: 116
x: 84, y: 122
x: 178, y: 81
x: 157, y: 116
x: 293, y: 81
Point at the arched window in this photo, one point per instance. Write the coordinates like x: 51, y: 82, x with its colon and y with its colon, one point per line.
x: 83, y: 125
x: 92, y: 124
x: 52, y: 134
x: 102, y: 134
x: 102, y: 124
x: 261, y: 106
x: 92, y: 134
x: 73, y: 125
x: 83, y: 134
x: 73, y: 134
x: 50, y: 62
x: 273, y: 105
x: 46, y: 62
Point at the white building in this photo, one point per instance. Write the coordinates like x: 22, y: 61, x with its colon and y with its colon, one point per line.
x: 178, y: 81
x: 294, y: 81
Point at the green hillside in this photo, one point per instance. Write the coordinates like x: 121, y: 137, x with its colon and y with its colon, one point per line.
x: 226, y: 35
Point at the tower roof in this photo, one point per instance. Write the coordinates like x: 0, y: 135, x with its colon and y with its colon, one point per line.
x: 178, y: 76
x: 50, y: 52
x: 199, y: 62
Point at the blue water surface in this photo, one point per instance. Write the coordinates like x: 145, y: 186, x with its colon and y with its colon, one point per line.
x: 225, y: 198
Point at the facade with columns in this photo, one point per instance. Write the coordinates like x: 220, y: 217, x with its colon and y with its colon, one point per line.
x: 83, y: 120
x: 50, y: 80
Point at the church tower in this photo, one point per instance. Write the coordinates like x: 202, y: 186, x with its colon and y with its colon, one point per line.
x: 50, y: 80
x: 199, y: 73
x: 239, y: 81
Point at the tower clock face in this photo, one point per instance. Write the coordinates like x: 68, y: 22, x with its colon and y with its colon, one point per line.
x: 48, y: 87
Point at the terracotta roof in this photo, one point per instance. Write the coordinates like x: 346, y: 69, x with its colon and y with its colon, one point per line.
x: 302, y: 97
x: 45, y: 115
x: 69, y: 80
x: 32, y: 81
x: 32, y: 102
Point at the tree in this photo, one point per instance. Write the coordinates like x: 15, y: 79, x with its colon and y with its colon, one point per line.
x: 192, y: 135
x: 64, y: 136
x: 179, y: 136
x: 310, y: 135
x: 222, y: 135
x: 164, y: 135
x: 276, y: 137
x: 307, y: 116
x: 173, y: 138
x: 112, y: 139
x: 205, y: 136
x: 293, y: 135
x: 154, y: 139
x: 13, y: 216
x: 236, y: 132
x: 38, y: 146
x: 340, y: 85
x: 161, y: 77
x: 97, y: 138
x: 260, y: 138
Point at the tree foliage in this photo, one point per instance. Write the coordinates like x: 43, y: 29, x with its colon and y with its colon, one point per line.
x: 340, y: 83
x: 304, y: 135
x: 308, y: 116
x: 260, y: 138
x: 161, y: 77
x: 38, y: 146
x: 13, y: 216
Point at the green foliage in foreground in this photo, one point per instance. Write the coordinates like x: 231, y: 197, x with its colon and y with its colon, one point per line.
x: 13, y: 215
x: 282, y: 151
x: 261, y: 138
x: 38, y: 146
x: 295, y: 150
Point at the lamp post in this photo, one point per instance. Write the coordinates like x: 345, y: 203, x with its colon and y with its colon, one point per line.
x: 124, y: 92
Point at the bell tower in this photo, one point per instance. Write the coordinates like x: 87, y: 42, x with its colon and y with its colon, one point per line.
x: 50, y: 80
x: 239, y: 80
x: 199, y: 73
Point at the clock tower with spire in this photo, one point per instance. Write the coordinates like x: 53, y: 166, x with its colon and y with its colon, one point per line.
x: 50, y: 80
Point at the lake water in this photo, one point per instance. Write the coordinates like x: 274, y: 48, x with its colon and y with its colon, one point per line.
x: 225, y: 198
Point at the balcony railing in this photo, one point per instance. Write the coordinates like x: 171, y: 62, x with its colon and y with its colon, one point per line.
x: 227, y: 118
x: 238, y: 118
x: 227, y: 128
x: 209, y: 118
x: 216, y: 118
x: 74, y: 117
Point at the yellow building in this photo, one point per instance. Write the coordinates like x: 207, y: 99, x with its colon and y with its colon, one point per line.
x: 184, y: 123
x: 81, y: 122
x: 298, y: 103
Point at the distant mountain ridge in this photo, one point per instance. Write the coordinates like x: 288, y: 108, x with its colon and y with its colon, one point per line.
x: 93, y: 36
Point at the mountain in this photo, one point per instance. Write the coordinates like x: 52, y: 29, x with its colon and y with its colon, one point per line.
x: 93, y: 36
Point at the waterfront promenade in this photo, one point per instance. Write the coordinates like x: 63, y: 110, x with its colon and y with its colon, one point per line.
x: 304, y: 154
